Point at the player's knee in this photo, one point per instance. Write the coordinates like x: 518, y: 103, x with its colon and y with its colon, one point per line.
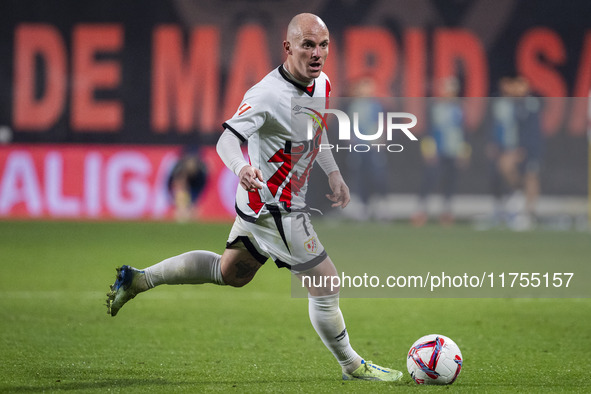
x: 323, y: 291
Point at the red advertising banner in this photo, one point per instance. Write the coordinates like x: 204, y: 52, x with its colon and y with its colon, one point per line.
x: 166, y: 72
x: 104, y: 182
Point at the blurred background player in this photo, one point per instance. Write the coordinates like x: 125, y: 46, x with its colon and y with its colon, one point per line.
x: 186, y: 183
x: 444, y: 151
x: 515, y: 153
x: 528, y: 113
x: 502, y: 150
x: 368, y: 170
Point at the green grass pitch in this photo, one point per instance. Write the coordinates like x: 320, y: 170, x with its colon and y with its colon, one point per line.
x: 56, y: 335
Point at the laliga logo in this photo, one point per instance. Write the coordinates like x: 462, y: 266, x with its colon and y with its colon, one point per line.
x: 345, y: 130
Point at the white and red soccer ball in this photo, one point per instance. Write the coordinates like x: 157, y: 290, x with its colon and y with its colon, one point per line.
x: 434, y: 359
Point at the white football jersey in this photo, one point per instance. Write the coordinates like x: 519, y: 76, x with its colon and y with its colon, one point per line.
x: 277, y: 141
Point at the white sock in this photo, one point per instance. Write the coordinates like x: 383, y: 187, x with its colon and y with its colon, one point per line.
x: 194, y: 267
x: 327, y: 319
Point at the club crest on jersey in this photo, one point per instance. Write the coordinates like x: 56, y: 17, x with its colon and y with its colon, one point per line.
x: 311, y: 245
x: 243, y: 108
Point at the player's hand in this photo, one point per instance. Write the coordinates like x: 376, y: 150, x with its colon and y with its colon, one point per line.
x: 249, y: 177
x: 340, y: 191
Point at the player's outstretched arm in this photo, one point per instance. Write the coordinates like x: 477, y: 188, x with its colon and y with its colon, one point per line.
x: 340, y: 191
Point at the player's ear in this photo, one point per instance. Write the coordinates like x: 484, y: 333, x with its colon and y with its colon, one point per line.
x: 287, y: 47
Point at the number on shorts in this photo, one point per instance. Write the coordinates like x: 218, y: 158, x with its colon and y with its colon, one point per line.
x: 303, y: 216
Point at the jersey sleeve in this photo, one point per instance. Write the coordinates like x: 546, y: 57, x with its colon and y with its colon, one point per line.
x: 228, y: 149
x: 251, y: 114
x: 325, y: 158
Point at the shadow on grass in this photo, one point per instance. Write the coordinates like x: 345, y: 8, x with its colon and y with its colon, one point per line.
x: 163, y: 385
x: 89, y: 385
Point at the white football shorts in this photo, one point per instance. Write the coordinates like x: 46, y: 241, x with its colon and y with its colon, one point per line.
x: 286, y: 237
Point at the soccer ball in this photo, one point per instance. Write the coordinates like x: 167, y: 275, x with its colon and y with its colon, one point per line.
x: 434, y: 359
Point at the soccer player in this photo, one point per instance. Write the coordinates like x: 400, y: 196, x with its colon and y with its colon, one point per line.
x: 516, y: 150
x: 272, y: 219
x: 445, y: 151
x: 528, y: 110
x: 369, y: 171
x: 186, y: 183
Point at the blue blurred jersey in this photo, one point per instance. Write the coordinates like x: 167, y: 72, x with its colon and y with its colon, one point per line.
x: 447, y: 119
x: 505, y: 123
